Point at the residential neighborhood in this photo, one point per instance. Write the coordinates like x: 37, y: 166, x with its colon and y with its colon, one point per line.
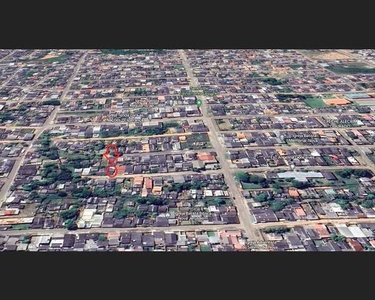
x: 187, y: 150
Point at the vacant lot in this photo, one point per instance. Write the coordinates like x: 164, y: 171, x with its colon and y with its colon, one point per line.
x: 315, y: 102
x: 250, y: 186
x: 49, y: 56
x: 352, y: 68
x: 224, y: 124
x: 325, y: 55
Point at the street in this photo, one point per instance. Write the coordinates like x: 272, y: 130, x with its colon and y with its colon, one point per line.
x: 243, y: 210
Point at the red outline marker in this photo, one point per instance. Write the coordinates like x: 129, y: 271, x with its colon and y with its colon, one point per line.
x: 108, y: 173
x: 111, y: 160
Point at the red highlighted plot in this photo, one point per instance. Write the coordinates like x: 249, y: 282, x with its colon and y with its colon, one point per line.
x: 109, y: 173
x: 111, y: 155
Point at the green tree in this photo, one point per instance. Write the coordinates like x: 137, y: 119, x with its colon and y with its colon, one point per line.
x: 102, y: 237
x: 82, y: 192
x: 337, y: 238
x: 34, y: 195
x: 51, y: 102
x: 299, y: 184
x: 70, y: 224
x: 62, y: 193
x: 69, y: 214
x: 343, y: 203
x: 279, y: 205
x: 101, y: 193
x: 256, y: 179
x: 346, y: 173
x: 368, y: 203
x: 242, y: 177
x: 362, y: 173
x: 277, y: 230
x: 262, y: 197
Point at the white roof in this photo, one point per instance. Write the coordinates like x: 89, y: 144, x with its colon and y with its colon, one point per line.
x: 219, y: 193
x: 344, y: 230
x: 208, y: 193
x: 212, y: 208
x: 356, y: 232
x: 336, y: 207
x: 86, y: 171
x: 300, y: 176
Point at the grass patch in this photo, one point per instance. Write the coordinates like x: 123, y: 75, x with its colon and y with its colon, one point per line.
x: 21, y: 226
x: 315, y: 102
x: 223, y: 124
x: 348, y: 183
x: 354, y: 68
x: 250, y: 186
x: 62, y: 58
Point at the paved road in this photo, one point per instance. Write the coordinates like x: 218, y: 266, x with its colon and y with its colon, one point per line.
x: 287, y: 147
x: 60, y: 232
x: 122, y: 137
x: 197, y: 118
x: 168, y: 152
x: 155, y: 174
x: 298, y: 129
x: 308, y: 168
x: 314, y: 222
x: 243, y: 210
x: 220, y: 171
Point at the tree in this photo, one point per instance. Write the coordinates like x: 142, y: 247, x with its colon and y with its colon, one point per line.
x: 262, y: 197
x: 337, y: 238
x: 101, y: 193
x: 26, y: 239
x: 51, y: 102
x: 346, y: 173
x: 279, y: 205
x: 362, y: 173
x: 102, y: 237
x: 370, y: 197
x: 368, y: 203
x: 277, y: 230
x: 34, y: 195
x: 82, y: 192
x: 242, y: 177
x: 256, y: 179
x: 343, y: 203
x: 155, y: 201
x: 141, y: 200
x: 64, y: 175
x: 62, y: 193
x: 69, y: 214
x: 70, y: 224
x: 299, y: 184
x: 171, y: 125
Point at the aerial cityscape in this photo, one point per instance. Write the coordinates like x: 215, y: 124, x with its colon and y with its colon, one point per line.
x: 187, y: 150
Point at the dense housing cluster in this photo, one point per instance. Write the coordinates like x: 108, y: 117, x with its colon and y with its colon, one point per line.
x: 218, y: 150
